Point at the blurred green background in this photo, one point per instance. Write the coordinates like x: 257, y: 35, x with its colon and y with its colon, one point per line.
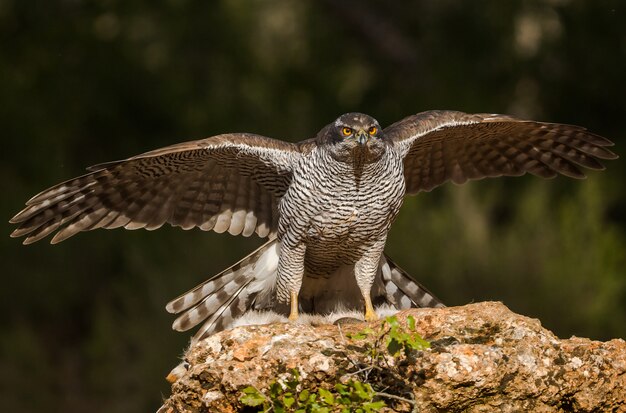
x: 82, y: 82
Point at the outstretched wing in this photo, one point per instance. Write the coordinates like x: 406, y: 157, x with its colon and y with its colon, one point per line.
x: 226, y: 182
x: 442, y: 146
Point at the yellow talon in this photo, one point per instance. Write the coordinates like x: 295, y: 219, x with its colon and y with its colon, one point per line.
x: 293, y: 315
x: 370, y: 314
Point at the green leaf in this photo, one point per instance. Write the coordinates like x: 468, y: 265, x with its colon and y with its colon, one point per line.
x: 341, y: 389
x: 357, y: 336
x: 394, y: 346
x: 411, y: 321
x: 359, y: 390
x: 361, y: 334
x: 304, y: 395
x: 326, y: 396
x: 373, y: 406
x: 344, y: 401
x: 392, y: 321
x: 275, y: 390
x: 418, y: 343
x: 252, y: 397
x: 288, y: 400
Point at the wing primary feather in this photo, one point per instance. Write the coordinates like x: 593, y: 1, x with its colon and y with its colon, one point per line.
x: 81, y: 223
x: 193, y: 184
x: 471, y: 143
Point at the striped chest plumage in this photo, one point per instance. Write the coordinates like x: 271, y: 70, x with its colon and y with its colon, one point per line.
x: 340, y: 209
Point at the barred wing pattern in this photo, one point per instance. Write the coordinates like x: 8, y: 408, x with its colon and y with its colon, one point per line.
x: 228, y: 182
x: 442, y: 146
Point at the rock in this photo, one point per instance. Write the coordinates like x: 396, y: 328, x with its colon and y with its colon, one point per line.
x: 482, y: 358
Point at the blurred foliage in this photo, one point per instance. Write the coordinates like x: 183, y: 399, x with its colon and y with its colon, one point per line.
x: 82, y: 82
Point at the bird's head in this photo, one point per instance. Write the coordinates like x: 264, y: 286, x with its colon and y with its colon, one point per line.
x: 356, y: 136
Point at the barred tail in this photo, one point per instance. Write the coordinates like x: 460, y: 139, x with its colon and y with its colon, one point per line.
x: 229, y: 294
x: 402, y: 290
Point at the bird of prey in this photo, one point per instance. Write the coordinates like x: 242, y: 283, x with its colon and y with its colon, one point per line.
x: 325, y: 204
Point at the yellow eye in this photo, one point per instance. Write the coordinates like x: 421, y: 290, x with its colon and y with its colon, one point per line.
x: 346, y: 131
x: 372, y: 130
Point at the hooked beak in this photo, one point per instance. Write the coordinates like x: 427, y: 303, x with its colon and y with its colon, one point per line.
x: 362, y: 137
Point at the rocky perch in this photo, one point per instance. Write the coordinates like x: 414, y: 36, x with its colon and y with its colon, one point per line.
x: 482, y: 358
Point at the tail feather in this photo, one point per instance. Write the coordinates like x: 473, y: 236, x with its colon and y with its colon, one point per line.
x: 213, y: 299
x: 228, y: 294
x: 215, y: 283
x: 236, y: 307
x: 402, y: 290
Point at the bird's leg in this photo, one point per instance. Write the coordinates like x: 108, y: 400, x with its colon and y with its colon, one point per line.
x: 289, y: 276
x: 293, y: 301
x: 370, y: 314
x: 365, y: 270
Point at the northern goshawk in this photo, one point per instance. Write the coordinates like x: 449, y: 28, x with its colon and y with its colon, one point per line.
x: 326, y: 204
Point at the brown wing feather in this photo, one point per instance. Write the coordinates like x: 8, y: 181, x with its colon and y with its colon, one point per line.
x: 224, y: 183
x: 442, y: 146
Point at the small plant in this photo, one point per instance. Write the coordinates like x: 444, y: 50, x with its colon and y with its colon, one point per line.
x: 397, y: 339
x: 400, y: 340
x: 353, y: 396
x: 357, y: 397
